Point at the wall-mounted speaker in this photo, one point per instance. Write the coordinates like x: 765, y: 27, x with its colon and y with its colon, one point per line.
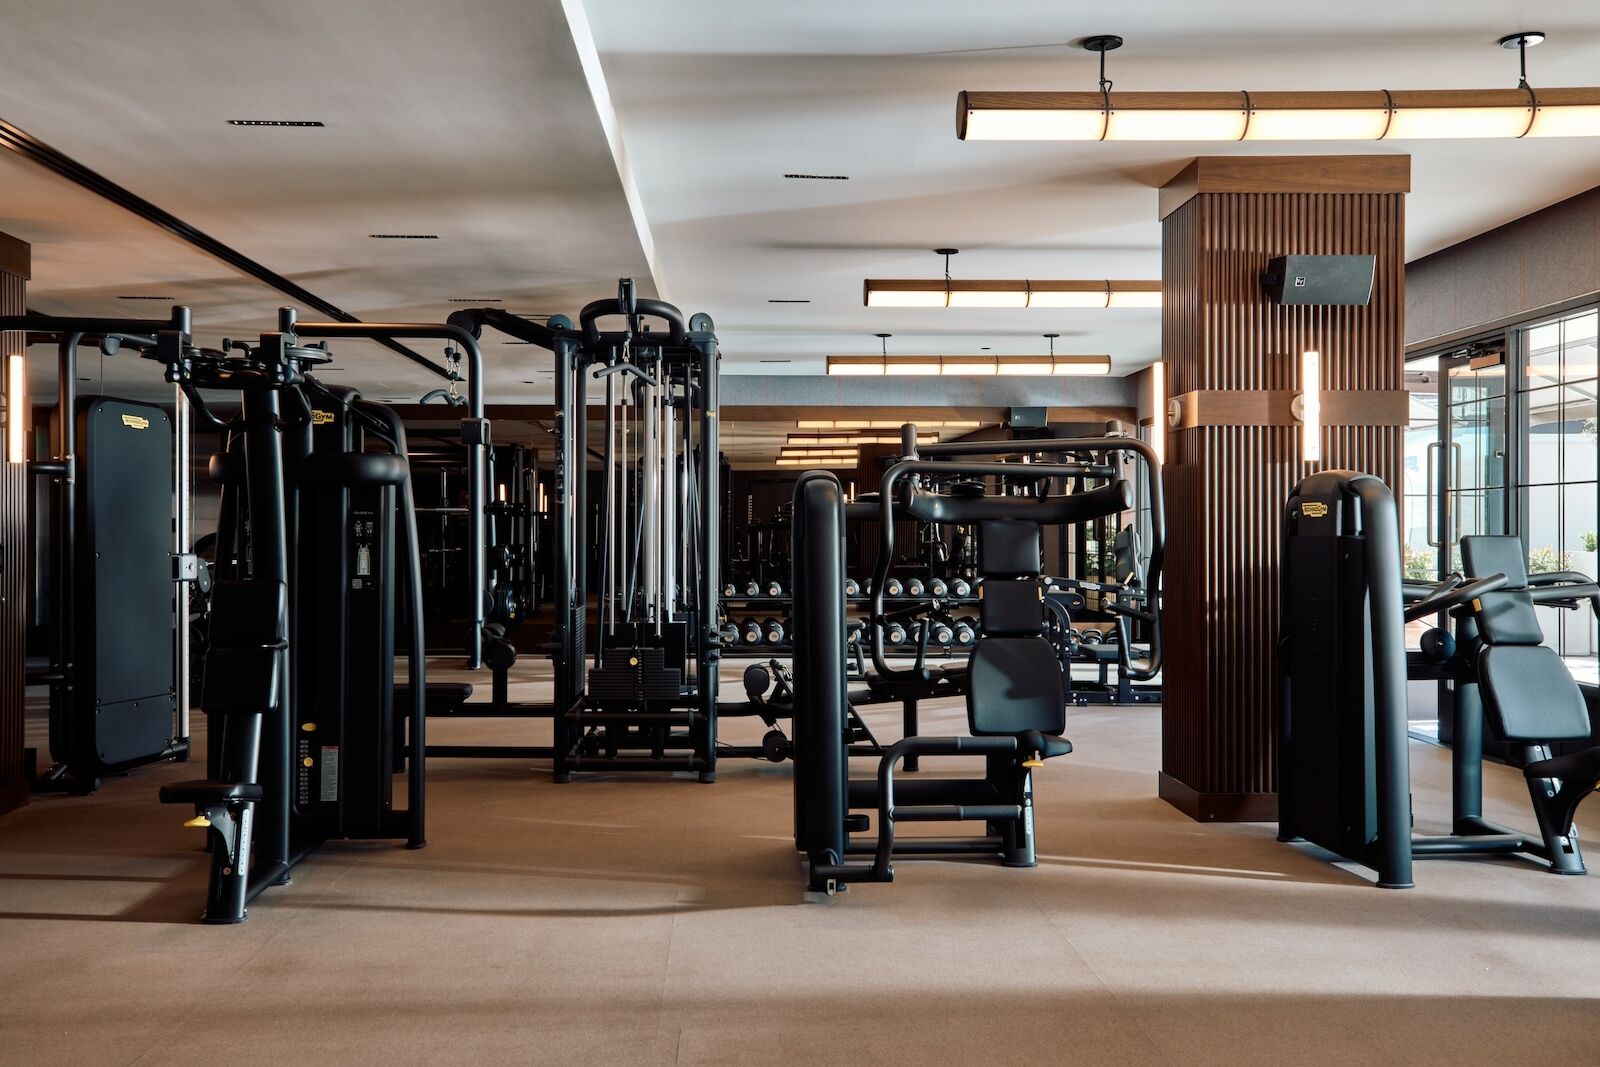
x: 1320, y: 279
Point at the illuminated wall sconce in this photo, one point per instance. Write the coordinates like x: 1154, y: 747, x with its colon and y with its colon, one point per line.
x: 16, y: 408
x: 1158, y: 408
x: 1307, y: 406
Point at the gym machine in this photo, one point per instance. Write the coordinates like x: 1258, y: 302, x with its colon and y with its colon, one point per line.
x: 1344, y: 765
x: 120, y: 572
x: 636, y: 685
x: 1015, y: 680
x: 299, y: 680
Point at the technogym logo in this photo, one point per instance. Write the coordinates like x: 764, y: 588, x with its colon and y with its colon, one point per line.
x: 136, y: 422
x: 1314, y: 509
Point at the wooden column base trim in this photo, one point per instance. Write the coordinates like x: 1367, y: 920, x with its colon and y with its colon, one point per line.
x: 1218, y: 807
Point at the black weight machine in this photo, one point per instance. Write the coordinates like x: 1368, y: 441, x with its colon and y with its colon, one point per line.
x: 119, y: 572
x: 318, y: 532
x: 1344, y: 764
x: 636, y: 680
x: 1015, y: 680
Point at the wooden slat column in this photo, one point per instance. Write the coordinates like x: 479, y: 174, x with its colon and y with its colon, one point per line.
x: 1233, y: 452
x: 15, y: 267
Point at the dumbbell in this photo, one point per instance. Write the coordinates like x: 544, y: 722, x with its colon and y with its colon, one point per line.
x: 966, y: 631
x: 751, y: 588
x: 774, y: 587
x: 1092, y: 637
x: 895, y: 633
x: 750, y: 631
x: 942, y: 634
x: 938, y: 587
x: 914, y: 588
x: 961, y: 588
x: 773, y: 630
x: 729, y: 633
x: 727, y: 589
x: 852, y: 588
x: 893, y: 588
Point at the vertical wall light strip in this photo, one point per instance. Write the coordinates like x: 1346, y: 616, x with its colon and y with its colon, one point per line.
x: 1311, y: 406
x: 1158, y: 410
x: 16, y: 408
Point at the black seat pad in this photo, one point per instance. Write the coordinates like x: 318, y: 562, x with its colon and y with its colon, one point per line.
x: 1047, y: 745
x: 205, y: 791
x: 1531, y: 694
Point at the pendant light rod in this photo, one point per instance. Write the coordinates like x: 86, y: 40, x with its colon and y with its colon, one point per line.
x: 1522, y: 42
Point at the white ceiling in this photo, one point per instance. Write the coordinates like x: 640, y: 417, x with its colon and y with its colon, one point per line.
x: 720, y: 98
x: 473, y: 121
x: 489, y: 123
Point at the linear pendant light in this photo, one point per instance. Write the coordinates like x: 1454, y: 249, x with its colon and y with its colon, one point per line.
x: 1380, y: 115
x: 1019, y: 293
x: 1045, y: 365
x: 950, y: 292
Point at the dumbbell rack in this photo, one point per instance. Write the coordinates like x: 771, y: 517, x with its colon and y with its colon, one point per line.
x: 747, y: 614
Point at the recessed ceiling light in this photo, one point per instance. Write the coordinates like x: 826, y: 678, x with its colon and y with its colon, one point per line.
x: 404, y: 236
x: 777, y: 361
x: 147, y: 298
x: 275, y: 122
x: 788, y: 301
x: 820, y: 177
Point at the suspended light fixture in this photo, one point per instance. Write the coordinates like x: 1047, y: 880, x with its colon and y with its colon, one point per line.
x: 1380, y: 115
x: 1040, y: 366
x: 1008, y: 293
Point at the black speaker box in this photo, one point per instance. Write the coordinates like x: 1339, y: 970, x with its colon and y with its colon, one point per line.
x: 1320, y: 279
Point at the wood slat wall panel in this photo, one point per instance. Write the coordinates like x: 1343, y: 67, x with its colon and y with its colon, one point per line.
x: 13, y: 582
x: 1227, y: 484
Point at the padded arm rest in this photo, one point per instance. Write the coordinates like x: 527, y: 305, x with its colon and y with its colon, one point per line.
x: 206, y: 791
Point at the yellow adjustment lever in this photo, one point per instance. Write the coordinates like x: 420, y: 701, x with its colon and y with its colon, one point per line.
x: 199, y: 821
x: 1035, y: 760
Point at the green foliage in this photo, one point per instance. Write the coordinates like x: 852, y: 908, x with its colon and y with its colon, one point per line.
x: 1421, y: 564
x: 1591, y: 541
x: 1545, y: 558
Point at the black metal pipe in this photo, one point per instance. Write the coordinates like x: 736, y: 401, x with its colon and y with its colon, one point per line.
x: 416, y: 655
x: 1386, y: 619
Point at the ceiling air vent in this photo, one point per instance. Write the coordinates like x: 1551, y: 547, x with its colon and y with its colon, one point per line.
x: 162, y: 298
x: 275, y: 122
x: 404, y: 236
x: 819, y: 177
x: 788, y: 301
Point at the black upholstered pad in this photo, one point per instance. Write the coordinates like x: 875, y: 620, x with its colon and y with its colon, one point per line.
x: 442, y: 696
x: 1531, y: 696
x: 1509, y: 619
x: 1047, y: 746
x: 241, y: 681
x: 1011, y: 608
x: 1486, y: 554
x: 1009, y: 548
x: 1574, y: 768
x: 1014, y: 685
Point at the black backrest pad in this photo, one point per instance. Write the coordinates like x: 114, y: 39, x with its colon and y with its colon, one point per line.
x: 248, y: 613
x: 1508, y: 619
x: 1531, y: 695
x: 1486, y: 554
x: 1009, y: 548
x: 1011, y: 608
x: 1013, y: 685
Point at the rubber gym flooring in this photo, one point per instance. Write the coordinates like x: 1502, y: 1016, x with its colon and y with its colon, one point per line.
x: 657, y: 920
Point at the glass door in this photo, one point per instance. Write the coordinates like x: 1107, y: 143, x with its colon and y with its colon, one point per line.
x: 1469, y: 465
